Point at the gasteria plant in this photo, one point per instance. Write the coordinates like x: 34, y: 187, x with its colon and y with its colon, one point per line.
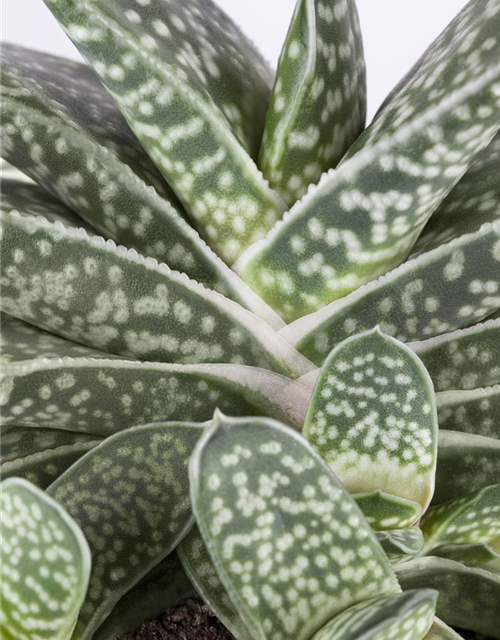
x: 150, y: 276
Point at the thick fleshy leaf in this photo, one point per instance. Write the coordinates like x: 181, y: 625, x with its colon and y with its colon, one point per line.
x: 130, y: 496
x: 476, y: 411
x: 401, y: 543
x: 163, y: 587
x: 468, y: 597
x: 203, y: 574
x: 364, y: 217
x: 318, y: 106
x: 433, y: 294
x: 465, y: 359
x: 289, y: 560
x: 471, y: 555
x: 107, y: 297
x: 9, y: 172
x: 105, y: 396
x: 466, y: 463
x: 372, y: 417
x: 195, y: 92
x: 441, y: 631
x: 45, y: 565
x: 474, y: 519
x: 386, y: 511
x: 409, y: 615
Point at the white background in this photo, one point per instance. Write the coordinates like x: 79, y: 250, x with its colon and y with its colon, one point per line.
x: 396, y: 32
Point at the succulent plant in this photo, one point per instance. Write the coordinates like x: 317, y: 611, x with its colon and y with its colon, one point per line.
x: 185, y: 232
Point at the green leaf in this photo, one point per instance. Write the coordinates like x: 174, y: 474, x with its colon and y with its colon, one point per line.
x: 465, y: 359
x: 468, y: 597
x: 471, y: 555
x: 105, y: 396
x: 385, y: 511
x: 163, y: 587
x: 195, y: 92
x: 430, y: 295
x: 401, y: 543
x: 364, y: 217
x: 130, y: 496
x: 372, y: 417
x: 9, y: 172
x: 19, y: 442
x: 409, y: 615
x: 110, y: 298
x: 290, y: 560
x: 474, y: 519
x: 318, y: 105
x: 474, y: 412
x: 466, y: 463
x: 45, y: 565
x: 203, y: 574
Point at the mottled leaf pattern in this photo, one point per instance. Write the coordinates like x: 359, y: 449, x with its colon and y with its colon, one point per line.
x: 438, y: 292
x: 401, y: 543
x: 471, y: 555
x: 474, y: 411
x: 318, y: 106
x: 465, y: 359
x: 19, y: 442
x: 289, y: 559
x: 45, y: 565
x: 130, y: 496
x: 194, y: 91
x: 386, y: 511
x: 372, y: 417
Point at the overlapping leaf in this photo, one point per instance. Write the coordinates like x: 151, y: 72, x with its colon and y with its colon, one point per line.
x: 372, y: 417
x: 19, y: 442
x: 430, y: 295
x: 195, y: 92
x: 401, y: 543
x: 440, y: 631
x: 474, y: 411
x: 90, y: 291
x: 45, y: 565
x: 471, y: 555
x: 385, y: 511
x: 318, y: 106
x: 130, y: 496
x: 290, y: 560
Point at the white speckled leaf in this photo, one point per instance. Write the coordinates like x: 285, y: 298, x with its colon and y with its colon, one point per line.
x: 195, y: 92
x: 465, y: 359
x: 468, y: 597
x: 404, y: 615
x: 318, y: 106
x: 203, y: 574
x: 438, y: 292
x: 466, y: 463
x: 89, y: 290
x: 473, y: 519
x: 474, y: 411
x: 363, y: 218
x: 400, y: 544
x: 481, y: 556
x: 130, y: 496
x: 290, y: 560
x: 372, y: 417
x: 45, y: 565
x: 386, y: 511
x: 105, y: 396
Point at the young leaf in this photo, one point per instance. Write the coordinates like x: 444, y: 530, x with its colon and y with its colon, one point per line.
x: 401, y: 543
x: 466, y: 463
x: 386, y: 511
x: 45, y: 565
x: 130, y: 496
x: 481, y: 556
x: 465, y: 359
x: 195, y: 92
x: 372, y: 417
x: 289, y: 560
x: 105, y: 396
x: 474, y: 519
x: 318, y: 105
x: 364, y: 217
x: 110, y: 298
x: 430, y: 295
x: 409, y: 615
x: 474, y: 412
x: 468, y: 597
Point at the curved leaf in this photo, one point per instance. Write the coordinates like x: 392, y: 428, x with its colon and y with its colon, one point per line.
x: 440, y: 631
x: 45, y: 565
x: 130, y: 496
x: 385, y: 511
x: 471, y: 555
x: 318, y: 105
x: 474, y: 412
x: 372, y: 417
x: 289, y: 560
x: 401, y: 543
x: 465, y: 359
x: 194, y: 90
x: 424, y: 297
x: 19, y: 442
x: 9, y: 172
x: 107, y: 297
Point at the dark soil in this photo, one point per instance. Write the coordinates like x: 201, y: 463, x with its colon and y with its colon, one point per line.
x: 190, y: 620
